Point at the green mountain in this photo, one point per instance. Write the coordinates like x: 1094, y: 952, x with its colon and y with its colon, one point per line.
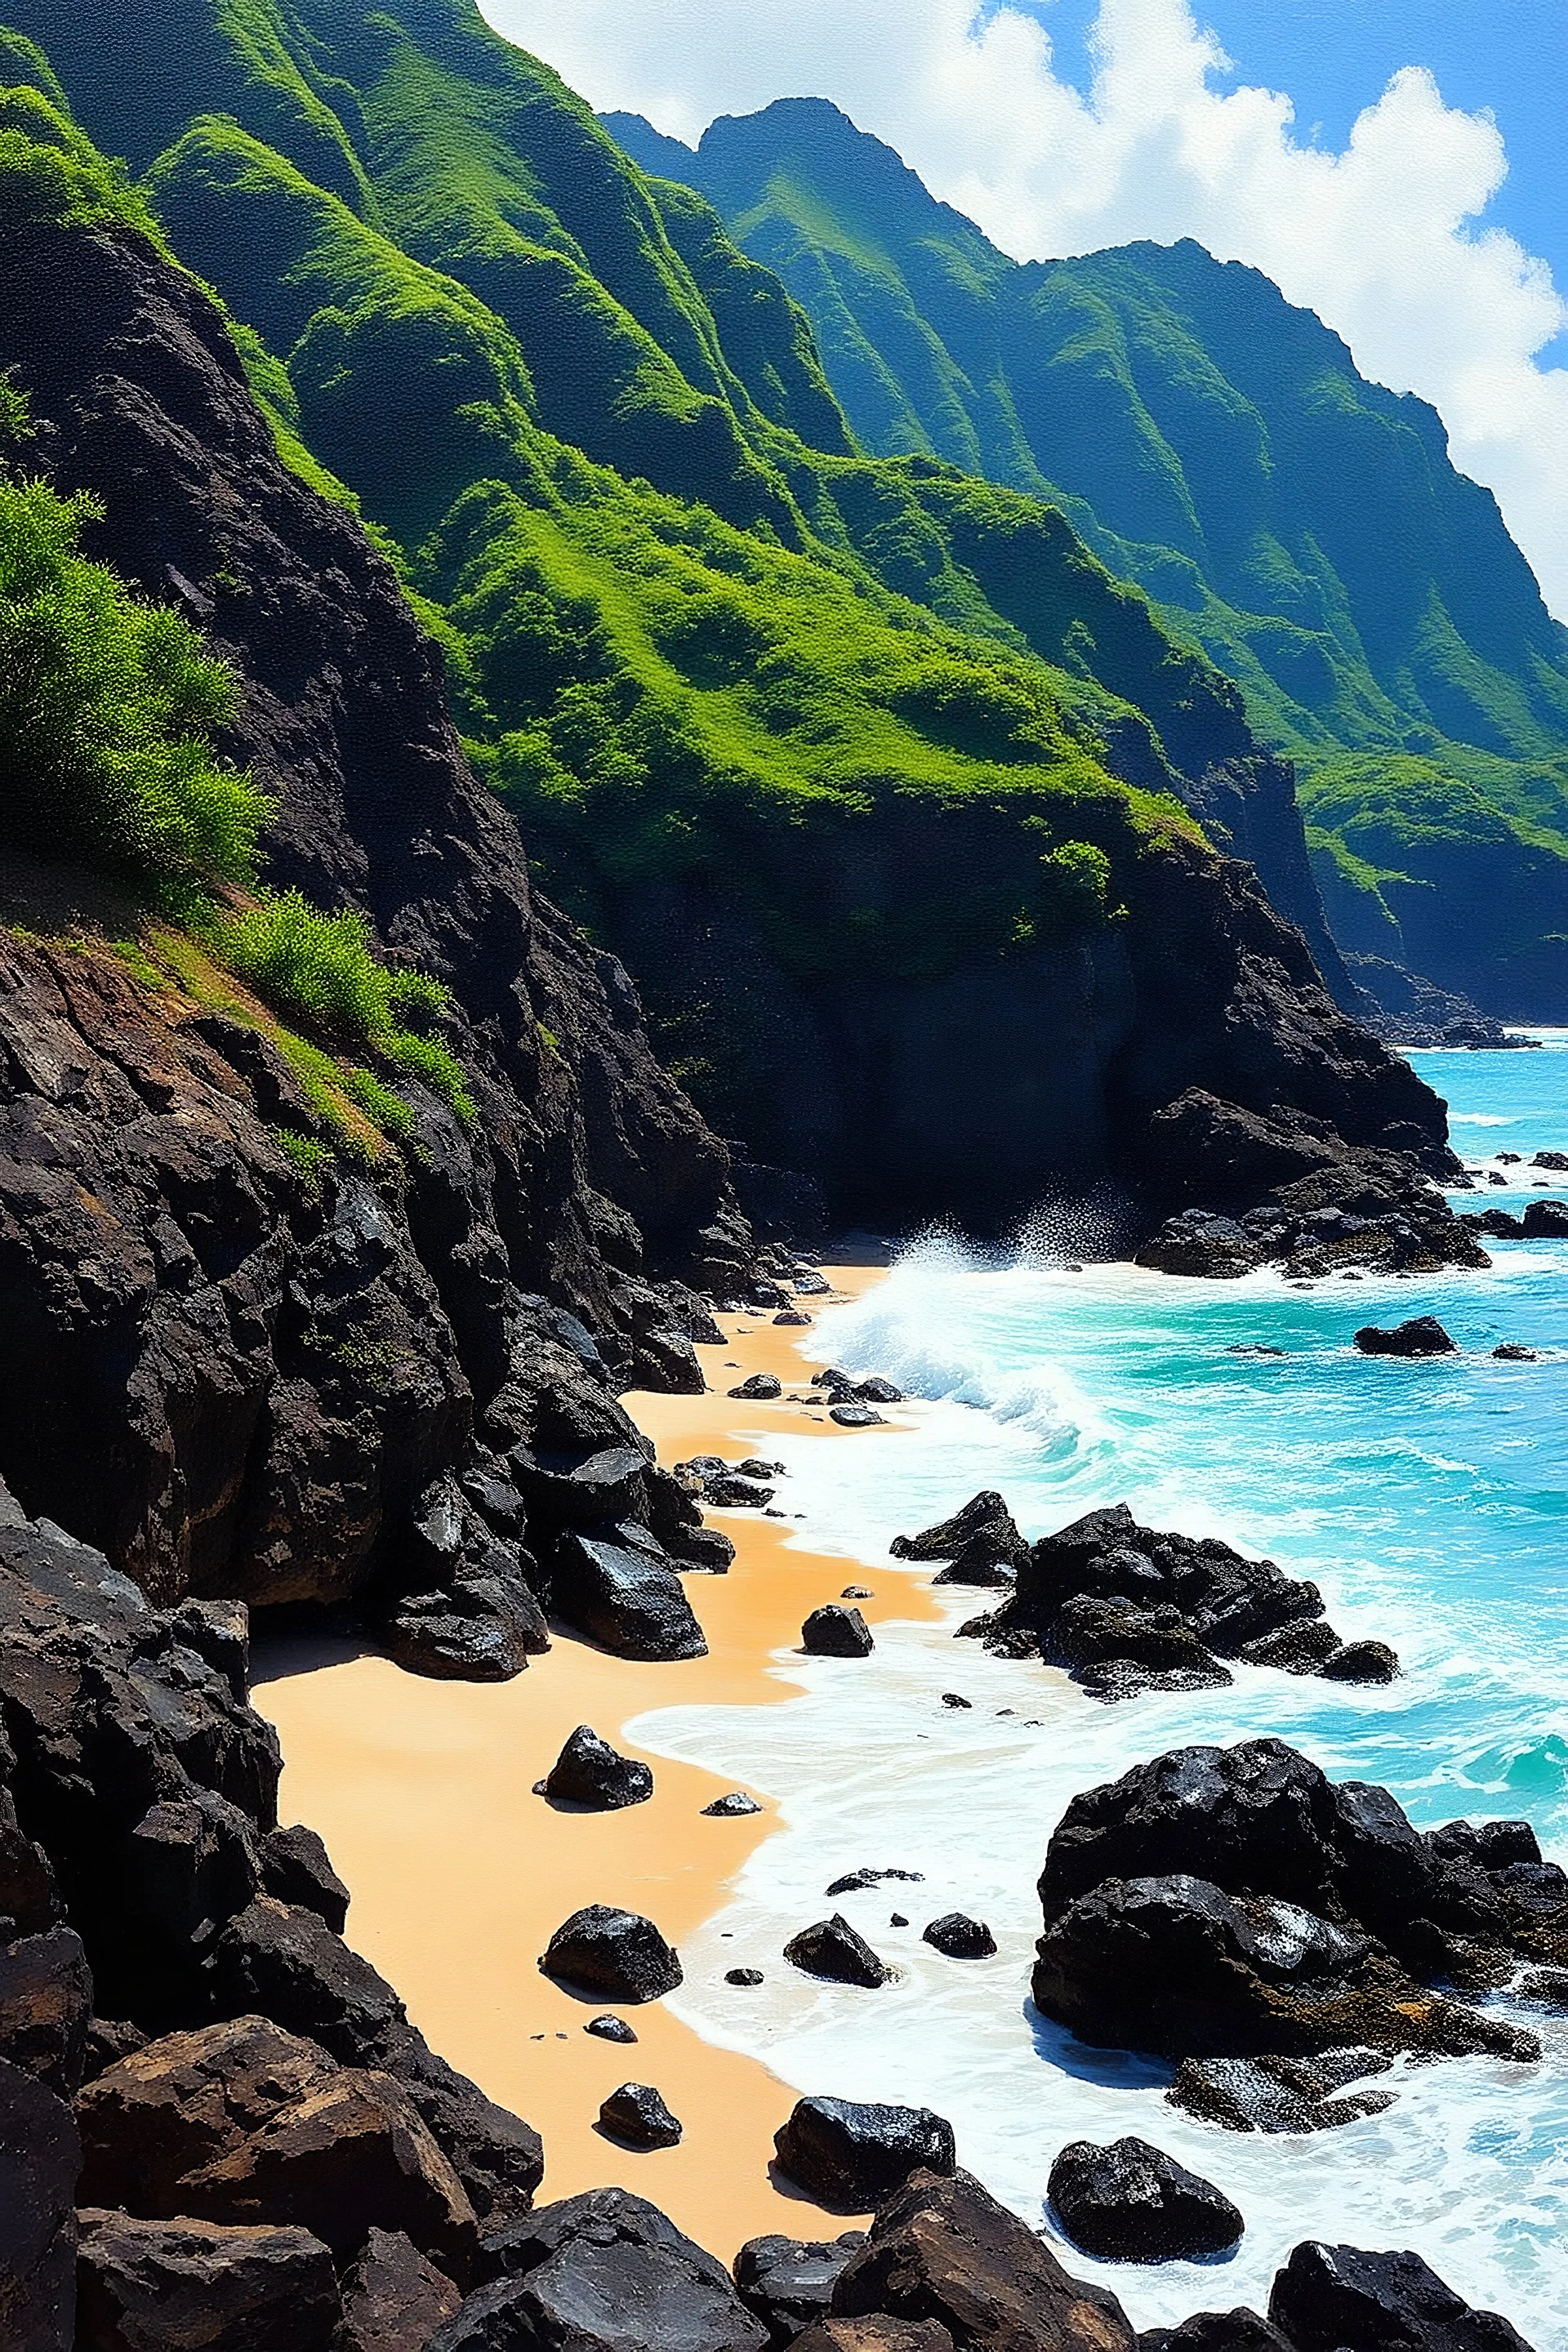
x: 1303, y: 526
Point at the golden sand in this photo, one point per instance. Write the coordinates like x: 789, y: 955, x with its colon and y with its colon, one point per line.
x: 459, y: 1875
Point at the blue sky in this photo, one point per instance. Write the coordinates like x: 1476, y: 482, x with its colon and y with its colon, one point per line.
x: 1333, y: 57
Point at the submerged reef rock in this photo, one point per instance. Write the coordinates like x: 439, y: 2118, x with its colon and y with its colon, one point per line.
x: 1224, y: 1904
x: 1127, y: 1609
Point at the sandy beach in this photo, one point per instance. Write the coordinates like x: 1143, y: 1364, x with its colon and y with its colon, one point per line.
x: 459, y: 1874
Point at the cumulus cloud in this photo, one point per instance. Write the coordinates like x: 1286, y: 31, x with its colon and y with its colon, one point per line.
x: 1384, y: 239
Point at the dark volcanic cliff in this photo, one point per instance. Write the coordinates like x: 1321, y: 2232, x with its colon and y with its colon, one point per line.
x: 235, y: 1380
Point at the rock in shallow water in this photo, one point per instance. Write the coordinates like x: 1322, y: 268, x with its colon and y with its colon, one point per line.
x: 1422, y: 1336
x: 960, y: 1937
x: 728, y: 1807
x: 832, y: 1948
x: 849, y: 2156
x: 590, y: 1772
x: 1131, y: 2202
x: 618, y: 1955
x: 1342, y: 2299
x: 836, y: 1631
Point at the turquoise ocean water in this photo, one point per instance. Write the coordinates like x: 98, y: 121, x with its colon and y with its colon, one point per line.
x: 1429, y: 1501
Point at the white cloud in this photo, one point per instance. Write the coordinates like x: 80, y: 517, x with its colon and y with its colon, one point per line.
x: 1384, y: 240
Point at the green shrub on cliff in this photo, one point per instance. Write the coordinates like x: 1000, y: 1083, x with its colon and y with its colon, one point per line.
x: 108, y: 708
x: 321, y: 970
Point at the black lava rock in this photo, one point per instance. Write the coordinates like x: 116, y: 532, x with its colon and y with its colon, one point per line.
x: 1340, y: 2299
x: 744, y: 1977
x: 855, y: 1416
x: 630, y: 1602
x: 1511, y: 1352
x: 590, y: 1772
x: 1131, y: 2202
x: 836, y: 1631
x: 985, y: 1517
x: 955, y: 1698
x: 1360, y: 1661
x: 960, y: 1937
x: 1422, y: 1336
x: 789, y: 2281
x: 618, y: 1955
x: 761, y: 1389
x: 877, y: 1391
x: 1546, y: 1221
x: 850, y: 2157
x: 832, y: 1948
x: 728, y: 1807
x: 638, y: 2116
x: 611, y: 2029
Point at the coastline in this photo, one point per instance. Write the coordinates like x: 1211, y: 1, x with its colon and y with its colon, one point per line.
x: 459, y: 1874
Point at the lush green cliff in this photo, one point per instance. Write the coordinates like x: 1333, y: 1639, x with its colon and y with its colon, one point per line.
x: 1218, y: 445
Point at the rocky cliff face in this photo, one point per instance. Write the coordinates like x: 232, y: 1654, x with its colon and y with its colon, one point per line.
x: 234, y: 1378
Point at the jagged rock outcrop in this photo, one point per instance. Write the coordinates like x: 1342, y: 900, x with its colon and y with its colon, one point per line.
x: 1234, y: 1903
x: 235, y: 1380
x: 1126, y: 1608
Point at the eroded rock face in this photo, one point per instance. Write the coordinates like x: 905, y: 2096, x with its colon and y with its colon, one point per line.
x: 788, y: 2282
x: 161, y: 2286
x: 40, y: 2158
x: 943, y: 2251
x: 851, y: 2155
x: 244, y: 2123
x: 393, y: 2299
x: 1233, y: 1902
x: 195, y: 1329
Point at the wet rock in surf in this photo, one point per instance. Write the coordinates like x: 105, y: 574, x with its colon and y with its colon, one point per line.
x: 638, y: 2116
x: 1235, y: 1903
x: 160, y: 2285
x: 789, y: 2281
x: 1280, y: 2094
x: 855, y: 1416
x: 616, y: 1955
x: 1342, y: 2299
x: 1545, y: 1220
x: 979, y: 1563
x: 850, y: 2155
x: 1511, y: 1352
x: 1215, y: 2331
x: 728, y: 1807
x: 836, y: 1631
x: 1126, y: 1609
x: 590, y: 1772
x: 602, y: 2271
x: 833, y: 1948
x: 943, y: 2251
x: 630, y: 1602
x: 983, y: 1526
x: 1423, y: 1335
x: 744, y: 1978
x: 877, y: 1391
x: 1131, y: 2202
x: 960, y: 1937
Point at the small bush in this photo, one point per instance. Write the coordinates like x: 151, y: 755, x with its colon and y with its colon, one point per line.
x: 321, y: 969
x: 108, y: 706
x: 310, y: 1160
x: 1076, y: 881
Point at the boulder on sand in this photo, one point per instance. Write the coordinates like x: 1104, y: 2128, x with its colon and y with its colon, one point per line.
x: 630, y: 1602
x: 1340, y: 2299
x: 164, y: 2286
x: 789, y: 2281
x: 833, y: 1948
x: 638, y: 2116
x: 1422, y: 1336
x: 604, y: 2271
x: 761, y: 1389
x: 591, y: 1773
x: 850, y: 2156
x: 836, y: 1631
x: 614, y: 1955
x: 943, y: 2248
x: 1131, y: 2202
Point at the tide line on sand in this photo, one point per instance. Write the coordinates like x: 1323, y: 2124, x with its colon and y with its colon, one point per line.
x: 459, y: 1874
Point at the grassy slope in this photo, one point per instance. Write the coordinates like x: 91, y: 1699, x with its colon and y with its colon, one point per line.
x: 691, y: 629
x: 1302, y: 525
